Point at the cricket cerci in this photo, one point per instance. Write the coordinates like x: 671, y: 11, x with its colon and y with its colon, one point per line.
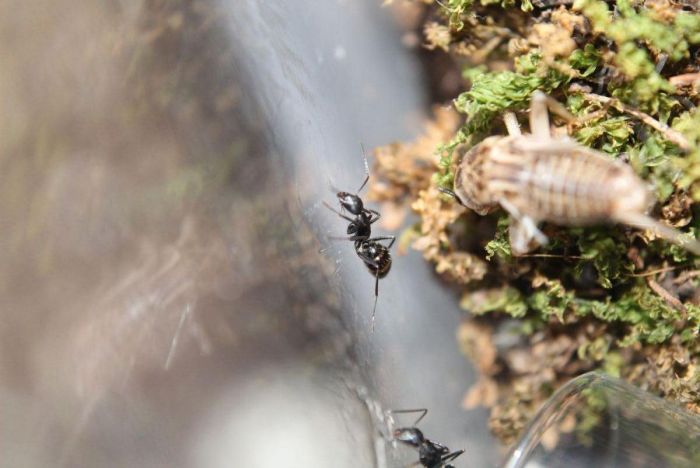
x: 538, y: 178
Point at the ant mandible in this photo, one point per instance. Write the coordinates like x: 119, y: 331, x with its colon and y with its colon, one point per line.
x: 430, y: 454
x: 375, y: 255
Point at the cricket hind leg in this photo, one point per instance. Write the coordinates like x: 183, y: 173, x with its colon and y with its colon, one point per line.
x: 540, y: 105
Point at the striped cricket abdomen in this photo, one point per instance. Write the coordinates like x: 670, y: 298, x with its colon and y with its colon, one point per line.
x: 565, y: 184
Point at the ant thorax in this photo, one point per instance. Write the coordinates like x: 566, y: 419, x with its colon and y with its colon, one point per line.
x: 359, y: 230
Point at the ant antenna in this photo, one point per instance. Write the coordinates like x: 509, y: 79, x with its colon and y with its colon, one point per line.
x: 364, y: 158
x: 332, y: 186
x: 424, y: 411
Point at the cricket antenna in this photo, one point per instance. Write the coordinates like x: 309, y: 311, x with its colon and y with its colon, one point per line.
x: 665, y: 232
x: 448, y: 192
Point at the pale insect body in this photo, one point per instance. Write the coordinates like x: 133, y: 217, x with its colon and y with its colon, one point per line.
x: 537, y: 178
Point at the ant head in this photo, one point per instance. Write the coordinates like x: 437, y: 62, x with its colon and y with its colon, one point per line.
x: 409, y: 435
x: 350, y: 202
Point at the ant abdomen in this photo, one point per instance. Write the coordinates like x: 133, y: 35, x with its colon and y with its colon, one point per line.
x: 377, y: 257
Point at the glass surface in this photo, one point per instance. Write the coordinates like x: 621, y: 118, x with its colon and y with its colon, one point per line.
x: 168, y: 293
x: 600, y: 421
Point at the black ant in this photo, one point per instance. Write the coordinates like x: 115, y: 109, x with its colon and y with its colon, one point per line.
x: 376, y: 256
x: 430, y: 454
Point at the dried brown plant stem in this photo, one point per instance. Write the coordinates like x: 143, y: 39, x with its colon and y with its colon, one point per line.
x: 685, y: 79
x: 669, y: 298
x: 685, y: 276
x: 655, y: 272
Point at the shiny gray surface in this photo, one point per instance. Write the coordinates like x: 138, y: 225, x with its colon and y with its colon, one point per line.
x: 163, y: 298
x: 320, y: 104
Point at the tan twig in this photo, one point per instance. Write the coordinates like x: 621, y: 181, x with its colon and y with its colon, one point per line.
x: 685, y: 79
x: 685, y: 276
x: 669, y: 298
x: 577, y: 257
x: 654, y: 272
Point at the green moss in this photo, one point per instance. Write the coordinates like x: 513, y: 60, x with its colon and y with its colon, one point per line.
x: 585, y: 60
x: 689, y: 125
x: 499, y: 246
x: 507, y: 300
x: 607, y: 134
x: 632, y: 27
x: 550, y: 299
x: 492, y: 93
x: 607, y: 253
x: 456, y: 10
x: 647, y: 317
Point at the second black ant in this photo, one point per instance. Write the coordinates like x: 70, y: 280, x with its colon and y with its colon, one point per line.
x: 375, y: 255
x: 430, y: 454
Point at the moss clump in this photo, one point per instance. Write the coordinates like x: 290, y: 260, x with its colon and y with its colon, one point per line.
x: 620, y: 298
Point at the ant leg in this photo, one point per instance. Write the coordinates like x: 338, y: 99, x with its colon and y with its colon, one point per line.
x: 392, y: 238
x: 351, y: 238
x: 337, y: 212
x: 512, y: 124
x: 452, y: 456
x: 424, y: 411
x: 376, y: 216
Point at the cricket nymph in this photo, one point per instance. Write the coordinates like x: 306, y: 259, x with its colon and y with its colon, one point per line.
x: 538, y: 178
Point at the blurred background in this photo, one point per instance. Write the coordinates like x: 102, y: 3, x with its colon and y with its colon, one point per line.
x: 169, y: 294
